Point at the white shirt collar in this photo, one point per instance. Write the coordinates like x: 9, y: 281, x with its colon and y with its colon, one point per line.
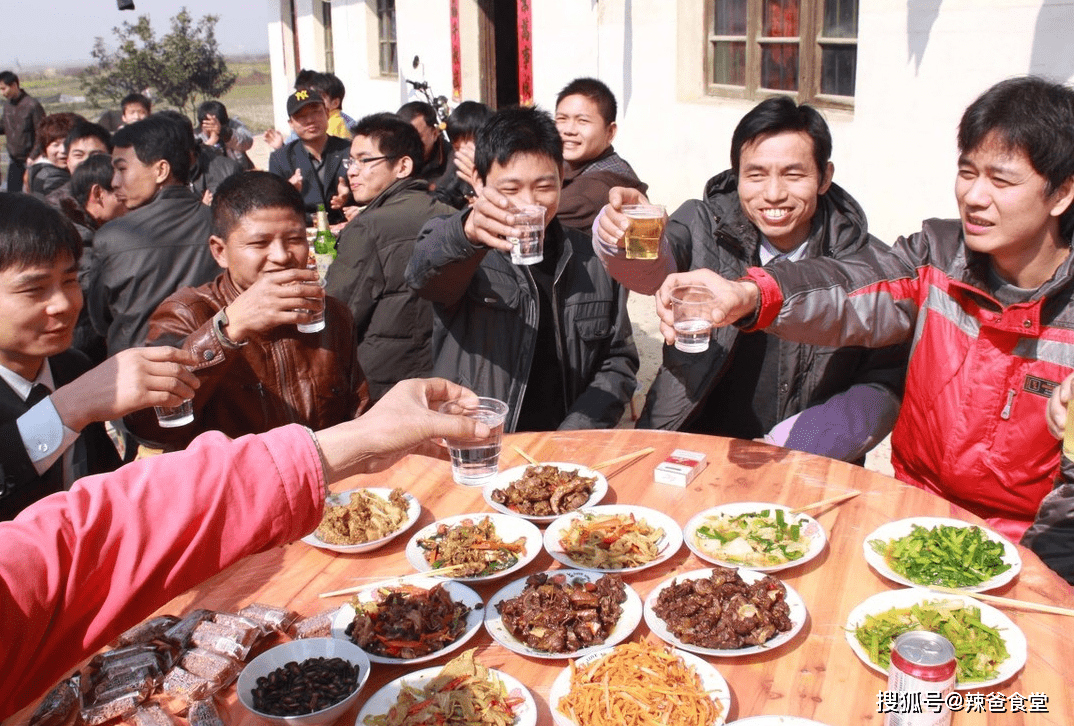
x: 21, y: 386
x: 769, y: 252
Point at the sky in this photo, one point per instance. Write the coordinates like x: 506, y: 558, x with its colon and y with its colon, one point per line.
x: 57, y: 32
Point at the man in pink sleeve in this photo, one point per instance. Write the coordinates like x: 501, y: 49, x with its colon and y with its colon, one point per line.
x: 79, y: 567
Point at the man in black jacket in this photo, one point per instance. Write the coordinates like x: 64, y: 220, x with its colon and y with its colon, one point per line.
x: 21, y: 116
x: 160, y: 245
x: 553, y: 339
x: 51, y: 401
x: 393, y: 325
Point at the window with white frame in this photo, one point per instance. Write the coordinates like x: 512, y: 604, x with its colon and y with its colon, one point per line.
x: 389, y: 62
x: 807, y: 48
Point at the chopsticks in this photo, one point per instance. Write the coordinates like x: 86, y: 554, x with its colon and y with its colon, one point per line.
x: 525, y: 456
x: 1005, y: 601
x: 833, y: 500
x: 624, y: 457
x: 442, y: 571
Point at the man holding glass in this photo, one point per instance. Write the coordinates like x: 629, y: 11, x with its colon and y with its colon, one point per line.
x: 551, y: 338
x: 776, y: 202
x: 257, y: 371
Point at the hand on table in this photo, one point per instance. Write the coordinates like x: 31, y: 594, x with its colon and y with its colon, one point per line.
x: 277, y: 298
x: 129, y: 381
x: 734, y: 299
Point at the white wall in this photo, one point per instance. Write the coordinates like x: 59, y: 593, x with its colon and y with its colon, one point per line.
x: 895, y: 152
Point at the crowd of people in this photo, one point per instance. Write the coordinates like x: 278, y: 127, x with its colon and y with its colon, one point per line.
x: 149, y: 265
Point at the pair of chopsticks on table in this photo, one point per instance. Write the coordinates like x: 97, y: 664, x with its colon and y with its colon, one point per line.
x: 610, y: 462
x: 439, y: 572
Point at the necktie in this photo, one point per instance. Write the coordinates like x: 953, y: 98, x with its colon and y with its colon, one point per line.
x: 37, y: 394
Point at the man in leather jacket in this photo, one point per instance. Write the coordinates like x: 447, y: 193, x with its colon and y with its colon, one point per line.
x: 553, y: 340
x: 777, y: 201
x: 256, y: 370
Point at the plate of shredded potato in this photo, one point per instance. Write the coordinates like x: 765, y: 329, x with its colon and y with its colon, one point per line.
x: 613, y: 538
x: 361, y: 520
x: 444, y: 694
x: 637, y: 683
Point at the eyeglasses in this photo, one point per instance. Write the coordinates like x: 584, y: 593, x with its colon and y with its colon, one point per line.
x: 352, y: 163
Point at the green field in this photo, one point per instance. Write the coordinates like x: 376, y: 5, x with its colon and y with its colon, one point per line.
x: 250, y: 99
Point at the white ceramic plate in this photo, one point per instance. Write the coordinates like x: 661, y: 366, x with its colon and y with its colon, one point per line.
x: 903, y: 527
x: 504, y: 478
x: 413, y: 511
x: 385, y: 698
x: 1013, y: 637
x: 667, y: 546
x: 660, y: 628
x: 811, y: 528
x: 778, y: 721
x: 711, y: 681
x: 458, y: 592
x: 508, y: 529
x: 628, y: 618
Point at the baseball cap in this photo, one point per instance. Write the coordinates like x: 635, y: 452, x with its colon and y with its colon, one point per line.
x: 300, y: 99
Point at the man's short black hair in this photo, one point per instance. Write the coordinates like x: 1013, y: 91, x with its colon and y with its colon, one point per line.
x: 394, y: 137
x: 33, y: 232
x: 304, y: 77
x: 777, y: 115
x: 8, y: 78
x: 86, y: 130
x: 96, y: 169
x: 466, y: 119
x: 249, y: 191
x: 597, y: 92
x: 1027, y: 114
x: 161, y: 136
x: 410, y: 111
x: 138, y: 98
x: 513, y: 131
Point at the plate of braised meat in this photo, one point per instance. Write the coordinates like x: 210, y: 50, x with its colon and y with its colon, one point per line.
x: 563, y: 613
x: 542, y: 492
x: 410, y: 621
x: 725, y: 612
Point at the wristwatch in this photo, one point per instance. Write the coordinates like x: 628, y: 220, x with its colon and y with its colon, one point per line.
x: 219, y: 323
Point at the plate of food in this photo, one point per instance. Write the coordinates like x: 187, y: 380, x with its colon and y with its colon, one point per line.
x: 758, y: 535
x: 542, y: 492
x: 742, y: 612
x: 675, y: 688
x: 462, y: 683
x: 478, y: 546
x: 410, y: 621
x: 993, y: 648
x: 361, y: 520
x: 925, y: 551
x: 777, y: 721
x: 563, y: 613
x: 613, y: 538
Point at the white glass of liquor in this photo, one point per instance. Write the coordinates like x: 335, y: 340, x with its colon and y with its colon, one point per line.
x: 528, y: 247
x: 475, y: 461
x: 692, y: 307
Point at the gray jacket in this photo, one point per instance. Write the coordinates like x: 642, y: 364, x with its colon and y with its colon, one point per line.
x: 486, y: 316
x: 714, y: 233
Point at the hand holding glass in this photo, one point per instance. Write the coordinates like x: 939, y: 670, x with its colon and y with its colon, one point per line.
x: 475, y: 461
x: 528, y: 247
x: 692, y: 307
x: 646, y: 228
x: 171, y: 417
x: 316, y: 322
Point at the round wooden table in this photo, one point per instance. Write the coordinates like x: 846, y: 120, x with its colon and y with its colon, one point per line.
x: 815, y: 675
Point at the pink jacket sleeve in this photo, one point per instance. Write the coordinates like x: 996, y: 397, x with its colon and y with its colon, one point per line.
x: 79, y: 567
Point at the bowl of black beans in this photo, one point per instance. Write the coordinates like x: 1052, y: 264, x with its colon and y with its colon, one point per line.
x: 304, y: 682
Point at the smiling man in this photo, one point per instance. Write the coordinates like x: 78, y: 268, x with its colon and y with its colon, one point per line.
x: 552, y: 339
x: 986, y: 300
x: 777, y: 201
x: 392, y: 325
x: 160, y: 245
x: 50, y: 399
x: 313, y: 162
x: 257, y: 371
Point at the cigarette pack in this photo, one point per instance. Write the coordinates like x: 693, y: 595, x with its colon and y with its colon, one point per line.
x: 680, y: 468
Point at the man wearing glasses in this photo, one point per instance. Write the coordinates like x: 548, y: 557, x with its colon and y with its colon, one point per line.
x: 313, y: 162
x: 393, y: 326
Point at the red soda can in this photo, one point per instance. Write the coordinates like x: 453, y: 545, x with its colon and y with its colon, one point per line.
x: 922, y: 663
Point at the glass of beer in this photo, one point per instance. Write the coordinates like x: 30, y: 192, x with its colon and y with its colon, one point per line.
x: 646, y: 227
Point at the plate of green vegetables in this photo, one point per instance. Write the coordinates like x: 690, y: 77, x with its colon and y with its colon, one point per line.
x: 762, y: 536
x: 989, y: 648
x: 942, y: 551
